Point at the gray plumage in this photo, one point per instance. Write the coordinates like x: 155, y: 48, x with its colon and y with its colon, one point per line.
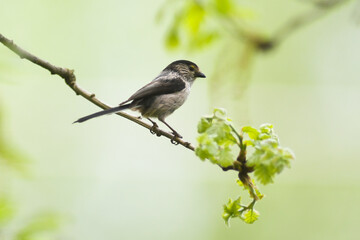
x: 162, y: 96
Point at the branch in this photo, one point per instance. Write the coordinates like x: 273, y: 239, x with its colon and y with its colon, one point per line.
x: 323, y: 7
x: 70, y: 79
x: 262, y: 43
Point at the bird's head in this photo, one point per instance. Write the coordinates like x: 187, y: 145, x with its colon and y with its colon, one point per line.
x: 186, y: 68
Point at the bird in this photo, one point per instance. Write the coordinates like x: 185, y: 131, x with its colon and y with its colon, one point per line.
x: 161, y: 97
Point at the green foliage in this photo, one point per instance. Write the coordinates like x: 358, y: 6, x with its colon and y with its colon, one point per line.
x: 10, y: 156
x: 7, y: 210
x: 269, y: 158
x: 42, y: 227
x: 217, y: 142
x: 224, y: 6
x: 234, y: 209
x: 13, y: 159
x: 192, y: 24
x: 216, y: 139
x: 194, y: 17
x: 231, y: 209
x: 250, y: 215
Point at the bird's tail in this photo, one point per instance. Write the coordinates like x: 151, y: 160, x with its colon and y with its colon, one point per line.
x: 103, y: 112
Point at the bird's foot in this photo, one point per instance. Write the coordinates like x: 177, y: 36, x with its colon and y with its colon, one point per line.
x: 154, y: 128
x: 173, y: 139
x: 176, y: 134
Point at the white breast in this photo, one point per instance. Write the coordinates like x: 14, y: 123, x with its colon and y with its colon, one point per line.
x: 166, y: 104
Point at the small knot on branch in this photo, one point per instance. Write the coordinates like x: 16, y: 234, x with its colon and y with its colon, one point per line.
x: 68, y: 75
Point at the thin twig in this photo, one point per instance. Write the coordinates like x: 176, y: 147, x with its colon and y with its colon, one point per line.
x: 300, y: 21
x: 70, y: 79
x: 263, y: 43
x: 240, y: 138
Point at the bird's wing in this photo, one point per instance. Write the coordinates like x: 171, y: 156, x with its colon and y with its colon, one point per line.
x: 160, y: 86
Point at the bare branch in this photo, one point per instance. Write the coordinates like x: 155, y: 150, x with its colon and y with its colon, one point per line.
x: 70, y: 79
x: 323, y: 7
x: 264, y: 43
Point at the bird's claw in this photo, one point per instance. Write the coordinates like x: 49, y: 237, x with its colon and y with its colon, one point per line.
x: 152, y: 129
x: 173, y: 139
x: 177, y: 135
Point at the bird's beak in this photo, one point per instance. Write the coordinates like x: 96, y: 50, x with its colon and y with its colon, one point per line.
x: 200, y: 75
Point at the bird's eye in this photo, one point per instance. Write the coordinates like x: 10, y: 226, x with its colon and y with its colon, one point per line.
x: 192, y: 68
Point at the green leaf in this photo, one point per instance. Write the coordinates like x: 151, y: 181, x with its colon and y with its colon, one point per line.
x: 231, y: 209
x: 194, y: 17
x: 220, y: 113
x: 259, y: 194
x: 173, y: 35
x: 240, y: 183
x: 196, y: 21
x: 221, y: 132
x: 203, y: 125
x: 269, y: 144
x: 288, y: 155
x: 226, y: 158
x: 252, y: 132
x: 224, y: 6
x: 266, y: 128
x: 269, y: 158
x: 250, y: 216
x: 249, y: 143
x: 264, y: 174
x: 216, y: 140
x: 207, y: 148
x: 264, y: 136
x: 172, y: 39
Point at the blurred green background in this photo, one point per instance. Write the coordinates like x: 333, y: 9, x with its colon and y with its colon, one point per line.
x: 110, y: 179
